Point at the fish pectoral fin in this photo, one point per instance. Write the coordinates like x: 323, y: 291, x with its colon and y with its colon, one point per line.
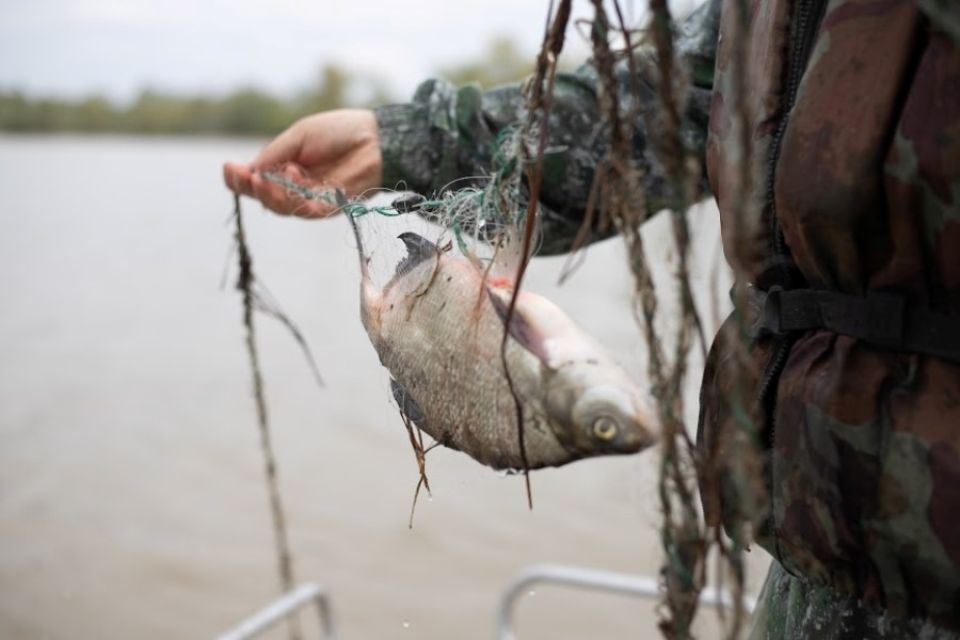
x: 521, y: 328
x: 407, y: 404
x: 419, y: 250
x: 442, y: 436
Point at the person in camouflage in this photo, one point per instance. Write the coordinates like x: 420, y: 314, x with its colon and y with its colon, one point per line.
x: 855, y: 122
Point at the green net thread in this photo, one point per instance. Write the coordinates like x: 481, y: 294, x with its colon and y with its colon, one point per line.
x: 497, y: 205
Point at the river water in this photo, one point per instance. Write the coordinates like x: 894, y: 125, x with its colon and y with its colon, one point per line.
x: 131, y: 496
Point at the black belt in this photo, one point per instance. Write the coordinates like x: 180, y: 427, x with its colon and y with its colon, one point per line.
x: 880, y: 318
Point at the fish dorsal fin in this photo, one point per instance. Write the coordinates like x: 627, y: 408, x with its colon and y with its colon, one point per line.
x: 521, y: 328
x: 419, y: 250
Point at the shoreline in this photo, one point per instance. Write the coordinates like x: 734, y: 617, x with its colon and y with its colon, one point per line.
x: 139, y: 135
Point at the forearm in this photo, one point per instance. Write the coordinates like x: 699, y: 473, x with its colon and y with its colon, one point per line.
x: 446, y: 134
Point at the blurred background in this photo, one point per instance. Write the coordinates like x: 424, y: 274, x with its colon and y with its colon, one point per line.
x: 132, y: 502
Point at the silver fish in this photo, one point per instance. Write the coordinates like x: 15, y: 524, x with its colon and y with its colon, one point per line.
x: 437, y: 326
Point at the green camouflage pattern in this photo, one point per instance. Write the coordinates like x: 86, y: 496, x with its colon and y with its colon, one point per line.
x: 791, y: 608
x: 446, y: 133
x: 749, y: 246
x: 862, y: 445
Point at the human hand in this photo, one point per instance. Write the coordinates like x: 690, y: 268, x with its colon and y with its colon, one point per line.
x: 337, y: 149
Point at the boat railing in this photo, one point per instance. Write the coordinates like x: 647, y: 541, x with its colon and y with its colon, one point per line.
x: 561, y: 575
x: 284, y: 607
x: 594, y: 580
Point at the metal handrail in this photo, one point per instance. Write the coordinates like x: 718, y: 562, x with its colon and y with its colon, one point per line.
x: 581, y: 578
x: 562, y: 575
x: 284, y: 607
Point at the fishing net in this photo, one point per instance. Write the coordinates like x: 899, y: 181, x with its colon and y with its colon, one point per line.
x: 482, y: 222
x: 477, y: 236
x: 686, y: 538
x: 492, y: 225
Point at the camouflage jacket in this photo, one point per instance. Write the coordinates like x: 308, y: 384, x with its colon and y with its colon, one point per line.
x: 449, y: 132
x: 855, y: 108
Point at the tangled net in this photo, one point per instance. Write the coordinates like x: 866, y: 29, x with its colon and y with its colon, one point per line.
x: 482, y: 220
x: 497, y: 222
x: 491, y: 226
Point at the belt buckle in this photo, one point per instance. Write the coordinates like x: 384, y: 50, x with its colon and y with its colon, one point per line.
x: 766, y: 312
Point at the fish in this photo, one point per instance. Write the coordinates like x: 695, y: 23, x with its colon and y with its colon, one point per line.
x: 437, y: 327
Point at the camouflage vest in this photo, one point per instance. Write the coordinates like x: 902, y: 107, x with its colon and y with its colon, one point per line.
x: 855, y: 116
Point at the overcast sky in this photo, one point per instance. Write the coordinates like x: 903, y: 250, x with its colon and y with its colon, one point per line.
x: 117, y: 47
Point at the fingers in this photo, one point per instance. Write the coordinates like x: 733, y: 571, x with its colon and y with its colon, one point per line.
x: 243, y: 179
x: 285, y: 201
x: 237, y: 177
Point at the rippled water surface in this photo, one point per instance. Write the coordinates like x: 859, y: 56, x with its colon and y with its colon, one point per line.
x: 131, y: 494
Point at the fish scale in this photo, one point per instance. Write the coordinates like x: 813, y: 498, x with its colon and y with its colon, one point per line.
x: 438, y: 327
x: 446, y: 357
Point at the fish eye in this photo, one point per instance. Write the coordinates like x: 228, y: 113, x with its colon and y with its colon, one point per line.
x: 605, y: 428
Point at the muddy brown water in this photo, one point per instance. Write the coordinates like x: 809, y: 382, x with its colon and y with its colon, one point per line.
x: 131, y: 495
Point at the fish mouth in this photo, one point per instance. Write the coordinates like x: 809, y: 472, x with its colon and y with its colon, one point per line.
x: 637, y: 441
x: 628, y: 443
x: 638, y: 435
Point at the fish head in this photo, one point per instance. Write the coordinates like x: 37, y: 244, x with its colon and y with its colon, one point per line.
x: 596, y: 409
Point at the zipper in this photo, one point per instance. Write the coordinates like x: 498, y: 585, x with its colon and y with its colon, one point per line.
x: 808, y: 14
x: 807, y: 17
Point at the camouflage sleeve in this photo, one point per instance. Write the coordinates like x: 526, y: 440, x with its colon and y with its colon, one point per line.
x: 448, y: 133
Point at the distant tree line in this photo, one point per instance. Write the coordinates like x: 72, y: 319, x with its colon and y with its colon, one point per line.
x: 246, y: 111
